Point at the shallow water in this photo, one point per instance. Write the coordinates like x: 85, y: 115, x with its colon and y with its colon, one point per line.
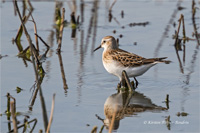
x: 89, y: 85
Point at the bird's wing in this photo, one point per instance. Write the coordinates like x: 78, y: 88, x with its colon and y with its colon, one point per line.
x: 132, y: 60
x: 127, y: 59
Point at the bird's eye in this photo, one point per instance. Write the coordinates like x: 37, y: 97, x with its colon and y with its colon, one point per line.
x: 104, y: 41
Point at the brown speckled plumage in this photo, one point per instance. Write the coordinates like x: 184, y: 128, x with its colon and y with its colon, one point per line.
x: 129, y: 59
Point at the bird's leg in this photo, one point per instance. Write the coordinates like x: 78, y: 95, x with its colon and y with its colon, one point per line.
x: 136, y: 82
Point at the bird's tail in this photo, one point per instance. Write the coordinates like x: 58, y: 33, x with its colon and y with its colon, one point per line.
x: 151, y: 60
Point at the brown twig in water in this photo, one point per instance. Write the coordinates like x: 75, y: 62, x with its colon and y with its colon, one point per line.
x: 42, y: 41
x: 116, y: 20
x: 73, y: 22
x: 25, y: 124
x: 73, y: 18
x: 38, y: 84
x: 184, y: 53
x: 184, y: 40
x: 179, y: 25
x: 13, y: 110
x: 110, y: 16
x: 167, y: 98
x: 127, y: 101
x: 61, y: 30
x: 167, y: 101
x: 62, y: 72
x: 14, y: 119
x: 8, y: 102
x: 8, y: 111
x: 177, y: 43
x: 179, y: 60
x: 126, y: 81
x: 14, y: 102
x: 113, y: 120
x: 194, y: 23
x: 44, y: 111
x: 168, y: 122
x: 94, y: 130
x: 101, y: 130
x: 24, y: 7
x: 35, y: 31
x: 112, y: 5
x: 31, y: 7
x: 51, y: 116
x: 34, y: 120
x: 184, y: 33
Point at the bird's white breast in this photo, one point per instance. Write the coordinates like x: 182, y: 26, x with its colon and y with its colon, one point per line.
x: 113, y: 67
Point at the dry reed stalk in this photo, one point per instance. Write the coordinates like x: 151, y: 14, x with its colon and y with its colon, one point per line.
x: 61, y: 30
x: 8, y: 102
x: 179, y: 25
x: 113, y: 120
x: 44, y: 111
x: 183, y: 23
x: 126, y: 81
x: 31, y: 7
x: 184, y: 39
x: 112, y: 5
x: 35, y: 31
x: 8, y: 111
x: 14, y: 119
x: 181, y: 19
x: 51, y: 116
x: 65, y: 86
x: 194, y: 23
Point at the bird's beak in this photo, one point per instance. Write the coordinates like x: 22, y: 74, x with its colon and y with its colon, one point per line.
x: 97, y: 48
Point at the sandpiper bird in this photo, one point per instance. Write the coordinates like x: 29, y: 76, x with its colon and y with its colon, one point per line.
x: 116, y: 60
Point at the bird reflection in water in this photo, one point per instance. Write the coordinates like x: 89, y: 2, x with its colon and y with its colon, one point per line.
x: 124, y: 104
